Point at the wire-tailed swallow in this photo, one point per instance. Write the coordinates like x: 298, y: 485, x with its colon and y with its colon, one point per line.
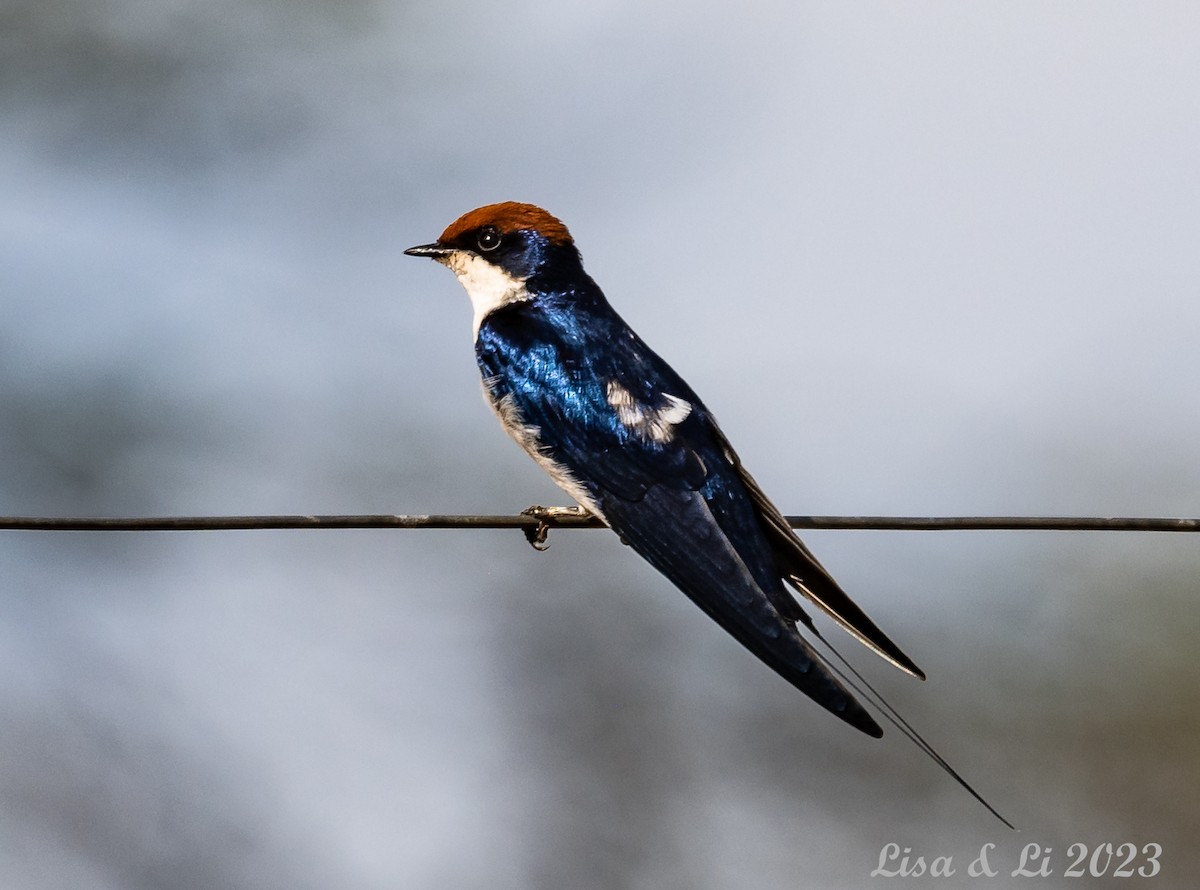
x: 633, y: 444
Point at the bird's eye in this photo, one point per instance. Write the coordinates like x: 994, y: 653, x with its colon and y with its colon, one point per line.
x: 489, y: 238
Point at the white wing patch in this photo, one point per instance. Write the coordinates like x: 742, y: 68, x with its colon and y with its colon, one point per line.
x: 656, y: 424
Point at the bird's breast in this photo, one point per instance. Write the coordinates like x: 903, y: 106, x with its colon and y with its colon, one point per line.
x: 529, y: 437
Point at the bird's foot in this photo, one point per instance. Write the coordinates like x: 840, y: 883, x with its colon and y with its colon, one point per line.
x: 536, y: 536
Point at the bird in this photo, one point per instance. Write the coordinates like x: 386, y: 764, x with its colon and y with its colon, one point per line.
x: 632, y: 443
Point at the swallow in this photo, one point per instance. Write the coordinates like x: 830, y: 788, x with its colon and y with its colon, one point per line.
x: 634, y: 445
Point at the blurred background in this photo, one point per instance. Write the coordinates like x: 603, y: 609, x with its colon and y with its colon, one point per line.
x: 919, y: 259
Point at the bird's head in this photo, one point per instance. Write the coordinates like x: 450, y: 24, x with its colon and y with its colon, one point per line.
x: 496, y: 250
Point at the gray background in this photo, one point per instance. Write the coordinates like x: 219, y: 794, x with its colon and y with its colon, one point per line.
x: 919, y: 258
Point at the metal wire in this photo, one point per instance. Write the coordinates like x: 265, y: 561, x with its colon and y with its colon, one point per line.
x: 525, y: 522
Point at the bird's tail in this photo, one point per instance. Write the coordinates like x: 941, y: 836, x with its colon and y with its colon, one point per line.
x: 851, y: 678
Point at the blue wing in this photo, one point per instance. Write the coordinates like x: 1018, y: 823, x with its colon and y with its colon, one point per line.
x: 675, y: 493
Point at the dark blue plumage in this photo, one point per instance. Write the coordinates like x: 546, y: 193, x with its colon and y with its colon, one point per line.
x: 556, y: 356
x: 680, y: 503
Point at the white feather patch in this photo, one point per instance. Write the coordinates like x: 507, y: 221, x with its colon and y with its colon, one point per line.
x: 656, y: 424
x: 488, y: 286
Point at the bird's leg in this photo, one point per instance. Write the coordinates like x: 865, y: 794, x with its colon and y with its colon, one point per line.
x: 537, y: 535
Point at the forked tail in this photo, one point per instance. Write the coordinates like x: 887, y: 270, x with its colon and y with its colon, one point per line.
x: 860, y: 685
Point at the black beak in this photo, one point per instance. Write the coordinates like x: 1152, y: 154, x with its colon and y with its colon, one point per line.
x: 433, y: 251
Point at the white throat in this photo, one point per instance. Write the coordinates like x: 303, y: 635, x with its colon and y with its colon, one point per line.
x: 488, y: 286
